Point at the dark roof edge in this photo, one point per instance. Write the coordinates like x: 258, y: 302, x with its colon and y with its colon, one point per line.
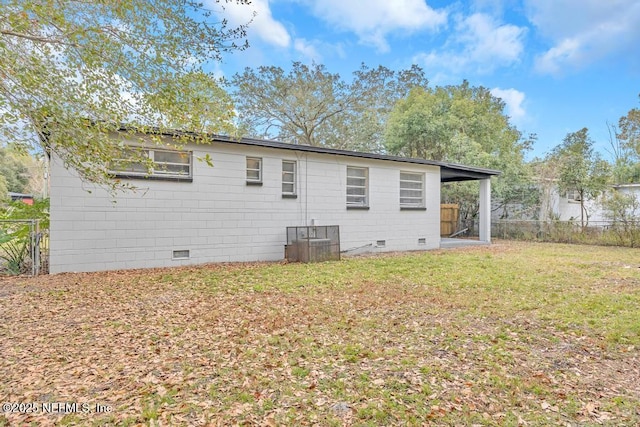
x: 348, y: 153
x: 324, y: 150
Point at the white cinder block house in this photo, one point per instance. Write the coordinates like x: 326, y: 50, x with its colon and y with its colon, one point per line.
x: 187, y: 212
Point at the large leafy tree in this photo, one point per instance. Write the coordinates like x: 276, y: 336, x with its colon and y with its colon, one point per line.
x: 630, y: 130
x: 73, y: 71
x: 20, y: 172
x: 581, y: 169
x: 625, y: 141
x: 463, y: 124
x: 290, y: 106
x: 374, y: 92
x: 17, y: 169
x: 309, y: 105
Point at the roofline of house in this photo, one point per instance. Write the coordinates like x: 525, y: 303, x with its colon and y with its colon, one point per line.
x: 348, y: 153
x: 467, y: 172
x: 630, y: 185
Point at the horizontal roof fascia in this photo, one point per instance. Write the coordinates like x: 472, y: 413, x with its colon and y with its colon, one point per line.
x: 449, y: 172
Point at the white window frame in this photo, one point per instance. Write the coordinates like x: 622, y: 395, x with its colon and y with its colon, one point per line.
x: 157, y: 169
x: 289, y: 178
x: 351, y: 202
x: 416, y: 201
x: 252, y: 180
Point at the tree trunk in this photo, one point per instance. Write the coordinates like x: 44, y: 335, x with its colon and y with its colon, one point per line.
x: 582, y: 210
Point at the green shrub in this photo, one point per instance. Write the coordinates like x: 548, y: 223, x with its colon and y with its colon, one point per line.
x: 14, y: 252
x: 16, y: 240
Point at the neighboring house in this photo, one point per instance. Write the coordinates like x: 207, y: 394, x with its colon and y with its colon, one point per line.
x: 187, y: 212
x: 564, y: 206
x: 25, y: 198
x: 629, y: 189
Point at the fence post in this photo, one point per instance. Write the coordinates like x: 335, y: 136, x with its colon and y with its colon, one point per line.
x: 36, y: 248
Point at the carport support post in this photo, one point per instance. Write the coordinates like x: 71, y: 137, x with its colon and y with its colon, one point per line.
x: 485, y: 210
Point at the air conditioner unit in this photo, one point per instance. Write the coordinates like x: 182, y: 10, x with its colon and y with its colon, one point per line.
x: 313, y: 243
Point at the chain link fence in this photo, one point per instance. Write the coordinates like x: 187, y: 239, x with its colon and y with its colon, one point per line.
x: 621, y: 233
x: 609, y: 233
x: 24, y: 248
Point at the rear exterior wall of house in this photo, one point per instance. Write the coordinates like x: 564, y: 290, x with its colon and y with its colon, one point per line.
x: 220, y: 217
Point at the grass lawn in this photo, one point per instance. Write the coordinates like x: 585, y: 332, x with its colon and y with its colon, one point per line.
x: 512, y: 334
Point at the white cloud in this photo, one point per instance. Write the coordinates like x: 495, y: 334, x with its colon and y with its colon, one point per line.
x: 262, y: 25
x: 487, y: 41
x: 373, y: 20
x: 495, y: 7
x: 514, y: 100
x: 307, y: 49
x: 479, y: 42
x: 584, y: 31
x: 567, y: 51
x: 217, y: 71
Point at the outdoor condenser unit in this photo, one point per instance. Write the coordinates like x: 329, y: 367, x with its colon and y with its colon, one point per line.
x: 313, y: 243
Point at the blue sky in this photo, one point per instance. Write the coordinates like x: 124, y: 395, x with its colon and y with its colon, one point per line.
x: 559, y: 65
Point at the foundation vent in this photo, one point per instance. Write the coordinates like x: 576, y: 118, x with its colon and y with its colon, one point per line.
x: 181, y: 254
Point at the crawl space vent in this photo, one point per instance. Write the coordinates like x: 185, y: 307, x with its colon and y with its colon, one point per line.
x: 181, y: 254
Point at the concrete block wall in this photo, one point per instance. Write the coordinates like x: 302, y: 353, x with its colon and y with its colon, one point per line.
x: 219, y: 218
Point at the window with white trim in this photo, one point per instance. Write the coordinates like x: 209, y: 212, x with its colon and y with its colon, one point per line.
x: 288, y: 178
x: 152, y: 162
x: 411, y: 190
x: 357, y: 187
x: 254, y: 170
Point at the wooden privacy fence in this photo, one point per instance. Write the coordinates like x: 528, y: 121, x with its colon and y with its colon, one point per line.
x: 448, y: 219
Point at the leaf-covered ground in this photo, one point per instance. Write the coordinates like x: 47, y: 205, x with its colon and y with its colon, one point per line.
x: 512, y: 334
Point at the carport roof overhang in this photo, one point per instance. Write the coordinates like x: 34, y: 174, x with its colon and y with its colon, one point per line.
x: 455, y: 173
